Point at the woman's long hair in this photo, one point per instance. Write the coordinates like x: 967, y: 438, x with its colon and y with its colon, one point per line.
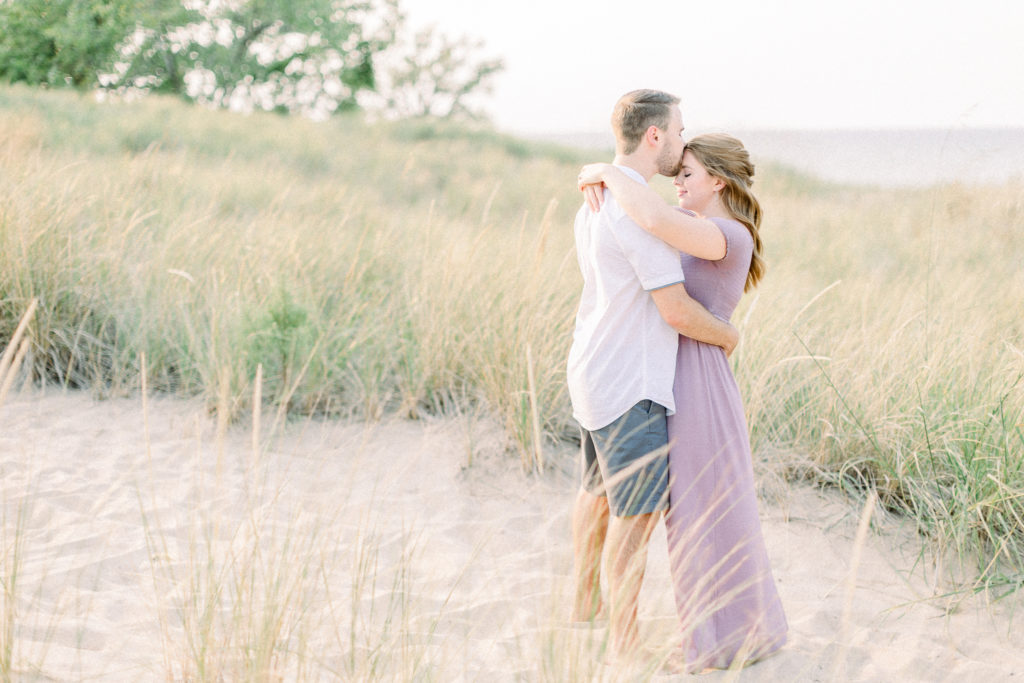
x: 725, y: 157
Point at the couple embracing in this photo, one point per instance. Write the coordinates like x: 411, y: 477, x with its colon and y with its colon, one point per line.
x: 663, y: 428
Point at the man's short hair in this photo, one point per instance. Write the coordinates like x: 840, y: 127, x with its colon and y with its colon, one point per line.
x: 635, y: 112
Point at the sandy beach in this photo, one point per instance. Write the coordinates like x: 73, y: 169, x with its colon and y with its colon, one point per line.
x: 154, y: 545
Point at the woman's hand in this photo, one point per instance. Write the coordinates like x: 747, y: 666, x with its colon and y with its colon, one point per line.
x: 591, y: 182
x: 593, y: 174
x: 592, y: 195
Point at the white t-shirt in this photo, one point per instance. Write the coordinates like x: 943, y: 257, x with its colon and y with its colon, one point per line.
x: 622, y: 351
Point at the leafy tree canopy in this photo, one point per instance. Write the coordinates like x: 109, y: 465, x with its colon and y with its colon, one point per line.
x: 434, y: 75
x: 61, y: 42
x: 309, y: 56
x: 291, y: 55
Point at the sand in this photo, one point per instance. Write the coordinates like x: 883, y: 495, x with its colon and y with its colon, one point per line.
x: 140, y: 545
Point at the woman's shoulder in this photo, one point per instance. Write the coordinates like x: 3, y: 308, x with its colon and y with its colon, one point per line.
x: 730, y: 226
x: 737, y: 237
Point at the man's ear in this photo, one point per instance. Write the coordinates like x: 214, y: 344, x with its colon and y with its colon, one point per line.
x: 653, y: 135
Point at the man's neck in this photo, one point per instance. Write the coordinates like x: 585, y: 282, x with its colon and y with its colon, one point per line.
x: 639, y: 163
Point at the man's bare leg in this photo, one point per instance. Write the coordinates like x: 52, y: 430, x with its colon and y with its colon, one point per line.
x: 625, y: 564
x: 589, y: 528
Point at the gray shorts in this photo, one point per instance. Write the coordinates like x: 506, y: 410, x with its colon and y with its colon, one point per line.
x: 627, y: 461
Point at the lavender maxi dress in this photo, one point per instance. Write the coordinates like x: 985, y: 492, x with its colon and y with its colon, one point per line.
x: 728, y: 606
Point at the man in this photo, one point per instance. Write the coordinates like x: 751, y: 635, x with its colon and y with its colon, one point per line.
x: 621, y: 369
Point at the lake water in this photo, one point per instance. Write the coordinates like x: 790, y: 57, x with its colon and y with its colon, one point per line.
x: 887, y: 157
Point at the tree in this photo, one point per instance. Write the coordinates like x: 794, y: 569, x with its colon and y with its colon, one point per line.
x: 149, y: 56
x: 435, y: 76
x: 308, y: 56
x: 290, y: 55
x: 61, y: 42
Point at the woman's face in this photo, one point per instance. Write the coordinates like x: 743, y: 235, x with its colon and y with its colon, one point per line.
x: 695, y: 187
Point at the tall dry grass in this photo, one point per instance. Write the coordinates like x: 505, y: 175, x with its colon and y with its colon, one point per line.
x: 886, y: 346
x: 363, y: 270
x: 418, y: 268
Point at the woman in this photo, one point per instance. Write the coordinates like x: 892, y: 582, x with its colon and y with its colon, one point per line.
x: 725, y: 594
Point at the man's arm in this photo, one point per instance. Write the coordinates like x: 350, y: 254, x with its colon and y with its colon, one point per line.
x: 692, y: 320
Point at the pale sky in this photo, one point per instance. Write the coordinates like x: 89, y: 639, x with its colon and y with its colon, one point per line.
x: 743, y: 64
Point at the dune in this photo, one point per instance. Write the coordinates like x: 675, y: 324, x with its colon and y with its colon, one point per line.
x: 150, y: 544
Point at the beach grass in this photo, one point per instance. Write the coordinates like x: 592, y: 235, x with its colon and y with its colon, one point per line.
x: 420, y: 268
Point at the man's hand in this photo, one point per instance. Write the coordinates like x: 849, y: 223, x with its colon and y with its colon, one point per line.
x: 732, y: 340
